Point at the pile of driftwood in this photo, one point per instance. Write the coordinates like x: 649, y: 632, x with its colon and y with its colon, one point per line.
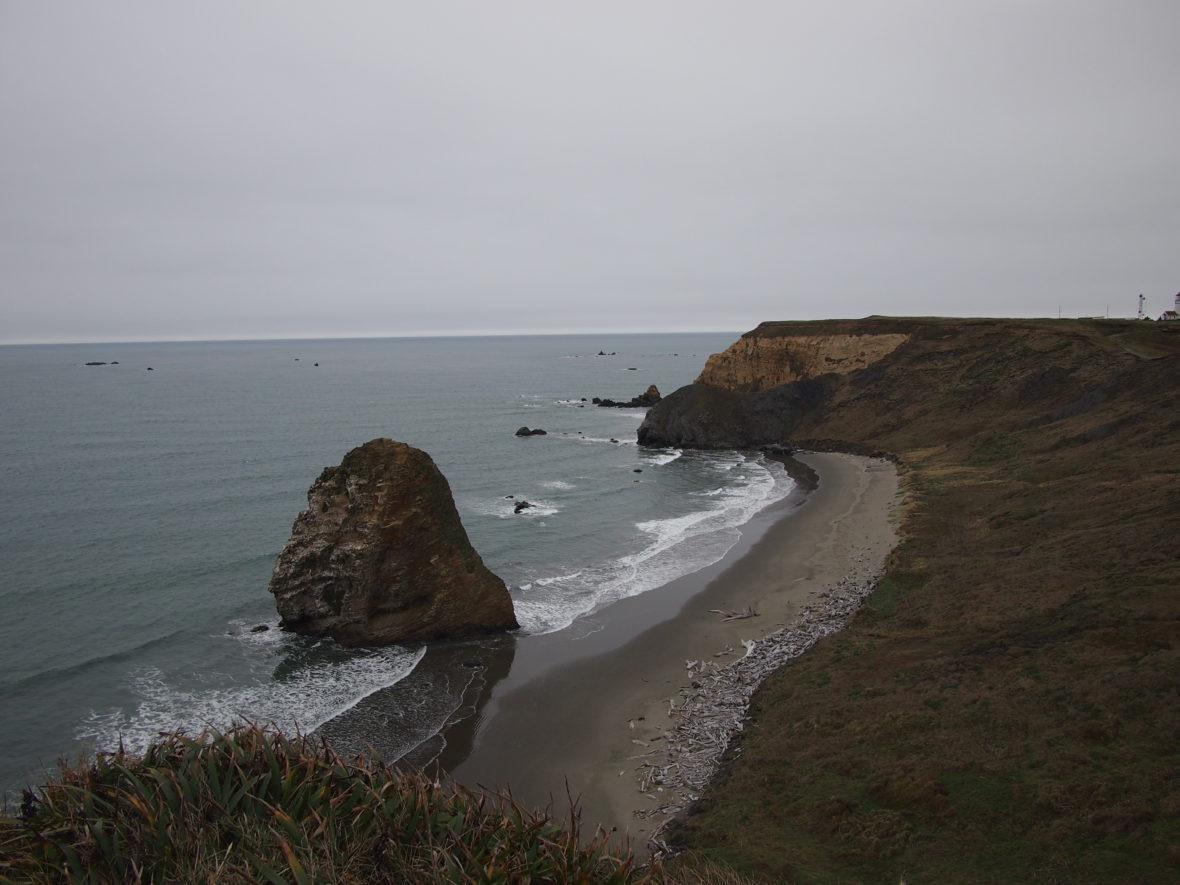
x: 711, y: 708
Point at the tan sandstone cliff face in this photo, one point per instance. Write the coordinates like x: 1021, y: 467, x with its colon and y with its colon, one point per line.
x: 760, y: 363
x: 380, y: 556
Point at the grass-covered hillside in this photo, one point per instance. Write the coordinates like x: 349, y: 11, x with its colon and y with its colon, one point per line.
x: 1006, y: 707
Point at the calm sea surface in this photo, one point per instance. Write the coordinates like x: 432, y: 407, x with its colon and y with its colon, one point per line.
x: 143, y: 511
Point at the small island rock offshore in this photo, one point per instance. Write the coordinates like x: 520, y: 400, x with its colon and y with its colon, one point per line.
x: 380, y: 556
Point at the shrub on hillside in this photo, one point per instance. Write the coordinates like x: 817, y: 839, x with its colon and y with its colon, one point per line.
x: 250, y: 805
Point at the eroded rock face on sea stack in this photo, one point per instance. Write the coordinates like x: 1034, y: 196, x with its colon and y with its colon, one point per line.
x: 380, y: 556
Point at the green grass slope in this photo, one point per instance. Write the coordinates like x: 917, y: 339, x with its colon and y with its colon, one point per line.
x: 1006, y: 706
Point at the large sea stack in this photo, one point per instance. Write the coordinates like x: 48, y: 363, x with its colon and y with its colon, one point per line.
x: 380, y: 556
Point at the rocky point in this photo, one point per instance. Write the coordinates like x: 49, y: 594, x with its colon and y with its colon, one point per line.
x: 380, y: 556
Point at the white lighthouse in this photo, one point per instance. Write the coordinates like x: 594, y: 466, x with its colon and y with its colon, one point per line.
x: 1173, y: 314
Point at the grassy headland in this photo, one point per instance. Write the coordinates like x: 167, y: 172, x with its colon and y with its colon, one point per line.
x: 1006, y: 706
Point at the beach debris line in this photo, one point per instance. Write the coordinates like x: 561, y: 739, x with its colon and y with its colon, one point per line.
x: 711, y: 708
x: 734, y: 616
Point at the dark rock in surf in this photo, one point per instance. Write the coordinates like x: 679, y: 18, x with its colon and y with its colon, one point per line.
x: 521, y: 505
x: 524, y: 431
x: 380, y: 556
x: 645, y: 400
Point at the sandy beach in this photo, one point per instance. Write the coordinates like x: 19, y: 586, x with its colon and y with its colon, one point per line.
x: 578, y: 712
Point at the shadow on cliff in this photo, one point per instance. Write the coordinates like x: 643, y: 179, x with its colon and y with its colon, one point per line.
x: 700, y: 416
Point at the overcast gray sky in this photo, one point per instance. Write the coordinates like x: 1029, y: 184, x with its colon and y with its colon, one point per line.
x: 289, y: 168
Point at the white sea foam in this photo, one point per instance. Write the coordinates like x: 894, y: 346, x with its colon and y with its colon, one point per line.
x: 614, y: 440
x: 557, y: 579
x: 558, y: 485
x: 304, y: 699
x: 667, y: 549
x: 663, y: 456
x: 536, y: 509
x: 726, y: 461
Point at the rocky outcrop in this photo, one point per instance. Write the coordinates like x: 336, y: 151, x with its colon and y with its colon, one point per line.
x: 757, y: 392
x: 525, y: 431
x: 645, y: 400
x: 702, y: 417
x: 760, y: 361
x: 380, y: 556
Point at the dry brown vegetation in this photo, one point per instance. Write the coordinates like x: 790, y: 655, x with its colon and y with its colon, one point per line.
x: 1005, y: 707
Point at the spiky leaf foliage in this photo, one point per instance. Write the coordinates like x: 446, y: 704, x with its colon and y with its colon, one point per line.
x: 251, y: 805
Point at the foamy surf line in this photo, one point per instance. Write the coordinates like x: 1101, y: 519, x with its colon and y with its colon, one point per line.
x: 310, y: 696
x: 675, y: 547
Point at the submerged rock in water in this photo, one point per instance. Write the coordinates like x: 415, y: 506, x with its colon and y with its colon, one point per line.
x: 380, y: 556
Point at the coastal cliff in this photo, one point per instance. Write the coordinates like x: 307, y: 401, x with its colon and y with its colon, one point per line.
x: 380, y: 556
x: 1004, y: 701
x: 701, y: 416
x: 756, y: 391
x: 776, y: 353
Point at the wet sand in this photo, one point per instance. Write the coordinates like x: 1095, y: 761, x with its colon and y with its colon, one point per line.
x: 573, y: 713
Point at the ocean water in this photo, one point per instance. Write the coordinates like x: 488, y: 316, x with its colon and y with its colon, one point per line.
x: 143, y: 511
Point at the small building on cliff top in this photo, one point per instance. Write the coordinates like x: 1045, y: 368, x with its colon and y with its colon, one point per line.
x: 1172, y: 314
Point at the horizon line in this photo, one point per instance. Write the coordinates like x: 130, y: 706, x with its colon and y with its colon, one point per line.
x: 478, y: 333
x: 358, y: 336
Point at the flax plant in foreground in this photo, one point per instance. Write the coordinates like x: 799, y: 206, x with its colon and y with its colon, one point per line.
x: 251, y: 805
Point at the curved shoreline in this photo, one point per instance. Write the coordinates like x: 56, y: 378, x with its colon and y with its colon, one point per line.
x: 577, y: 729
